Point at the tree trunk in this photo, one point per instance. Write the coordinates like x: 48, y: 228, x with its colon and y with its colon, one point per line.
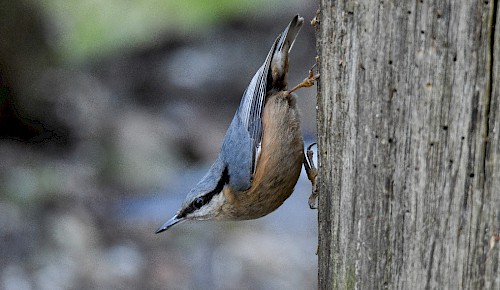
x: 409, y: 144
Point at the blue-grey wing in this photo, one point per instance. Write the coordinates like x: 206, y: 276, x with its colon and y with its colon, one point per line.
x: 242, y: 142
x: 252, y: 104
x: 239, y: 150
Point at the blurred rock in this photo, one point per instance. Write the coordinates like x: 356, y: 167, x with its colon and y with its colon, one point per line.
x: 14, y: 277
x: 140, y: 154
x: 73, y: 99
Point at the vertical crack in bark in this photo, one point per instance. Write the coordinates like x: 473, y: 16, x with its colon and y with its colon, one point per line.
x: 490, y: 84
x: 486, y: 142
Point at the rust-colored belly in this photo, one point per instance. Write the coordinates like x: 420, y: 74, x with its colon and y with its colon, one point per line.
x: 279, y: 163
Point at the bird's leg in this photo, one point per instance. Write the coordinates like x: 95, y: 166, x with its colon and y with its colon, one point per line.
x: 312, y: 172
x: 307, y: 82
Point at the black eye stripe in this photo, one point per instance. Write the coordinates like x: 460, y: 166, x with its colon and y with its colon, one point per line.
x: 200, y: 201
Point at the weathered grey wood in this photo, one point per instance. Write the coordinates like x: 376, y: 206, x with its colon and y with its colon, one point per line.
x: 409, y: 144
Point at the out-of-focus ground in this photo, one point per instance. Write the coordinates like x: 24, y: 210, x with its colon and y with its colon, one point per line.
x: 107, y: 120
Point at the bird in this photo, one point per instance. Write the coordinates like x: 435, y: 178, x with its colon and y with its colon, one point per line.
x: 262, y: 153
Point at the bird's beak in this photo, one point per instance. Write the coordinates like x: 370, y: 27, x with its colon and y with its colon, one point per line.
x: 169, y: 224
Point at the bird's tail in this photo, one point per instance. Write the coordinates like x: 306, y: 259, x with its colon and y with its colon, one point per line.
x: 288, y: 36
x: 279, y: 63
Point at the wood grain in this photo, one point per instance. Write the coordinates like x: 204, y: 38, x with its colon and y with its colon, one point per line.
x: 409, y: 144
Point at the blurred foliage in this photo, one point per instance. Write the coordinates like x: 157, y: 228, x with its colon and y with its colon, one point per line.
x: 98, y: 27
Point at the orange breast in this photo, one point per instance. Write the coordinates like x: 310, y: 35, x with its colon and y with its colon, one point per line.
x: 279, y: 164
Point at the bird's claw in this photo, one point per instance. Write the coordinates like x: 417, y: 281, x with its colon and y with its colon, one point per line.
x: 311, y: 172
x: 307, y: 82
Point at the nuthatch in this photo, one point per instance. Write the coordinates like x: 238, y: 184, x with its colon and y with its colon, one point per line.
x: 263, y: 150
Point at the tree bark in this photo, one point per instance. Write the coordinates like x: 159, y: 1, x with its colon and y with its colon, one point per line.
x: 409, y: 144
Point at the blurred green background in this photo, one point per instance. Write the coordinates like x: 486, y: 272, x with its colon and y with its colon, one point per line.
x: 96, y: 28
x: 109, y: 112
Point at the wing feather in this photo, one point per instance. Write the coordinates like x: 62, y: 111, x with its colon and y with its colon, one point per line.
x: 252, y: 103
x: 241, y: 145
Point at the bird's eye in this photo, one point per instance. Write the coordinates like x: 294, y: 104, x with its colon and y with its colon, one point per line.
x: 198, y: 202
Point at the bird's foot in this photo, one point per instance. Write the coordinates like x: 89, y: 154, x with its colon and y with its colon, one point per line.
x: 312, y: 172
x: 307, y: 82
